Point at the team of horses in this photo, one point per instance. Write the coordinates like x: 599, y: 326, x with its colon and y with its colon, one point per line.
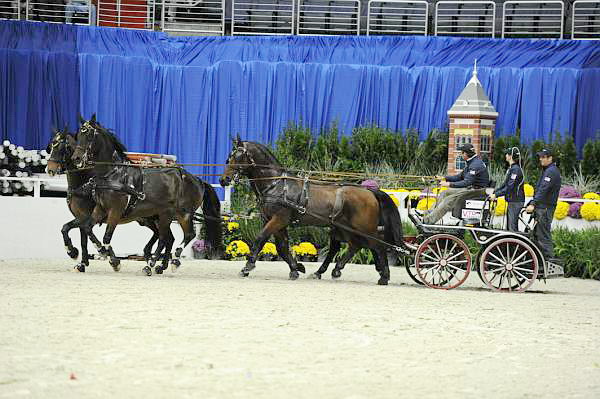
x: 105, y: 188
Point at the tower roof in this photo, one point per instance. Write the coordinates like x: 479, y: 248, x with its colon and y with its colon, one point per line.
x: 473, y: 100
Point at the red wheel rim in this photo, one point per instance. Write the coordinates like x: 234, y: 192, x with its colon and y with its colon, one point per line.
x: 508, y: 264
x: 443, y: 261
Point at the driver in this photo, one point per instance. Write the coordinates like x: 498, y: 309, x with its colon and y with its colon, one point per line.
x: 461, y: 186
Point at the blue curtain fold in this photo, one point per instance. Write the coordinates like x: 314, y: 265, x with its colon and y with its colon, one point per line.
x: 187, y: 95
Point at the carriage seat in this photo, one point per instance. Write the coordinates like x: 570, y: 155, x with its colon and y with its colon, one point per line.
x: 470, y: 207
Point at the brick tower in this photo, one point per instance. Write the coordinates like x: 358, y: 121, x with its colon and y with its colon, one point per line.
x: 472, y: 120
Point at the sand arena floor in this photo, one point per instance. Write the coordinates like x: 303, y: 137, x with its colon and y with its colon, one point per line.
x: 204, y: 332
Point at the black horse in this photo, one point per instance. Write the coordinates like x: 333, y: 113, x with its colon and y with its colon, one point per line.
x: 354, y: 211
x: 128, y: 192
x: 79, y: 200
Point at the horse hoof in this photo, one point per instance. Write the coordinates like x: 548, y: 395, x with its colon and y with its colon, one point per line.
x: 79, y: 268
x: 294, y: 275
x: 116, y: 264
x: 147, y: 270
x: 300, y: 268
x: 158, y: 270
x: 73, y: 253
x: 336, y: 273
x: 382, y: 281
x: 175, y: 263
x: 103, y: 253
x: 244, y: 273
x: 314, y: 276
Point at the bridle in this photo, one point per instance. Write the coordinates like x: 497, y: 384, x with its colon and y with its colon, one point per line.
x: 85, y: 128
x: 243, y: 151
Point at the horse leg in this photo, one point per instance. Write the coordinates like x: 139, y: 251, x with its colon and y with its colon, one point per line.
x: 153, y: 239
x: 71, y: 250
x: 85, y: 257
x: 187, y: 226
x: 114, y: 216
x: 168, y: 240
x: 164, y: 230
x: 276, y: 223
x: 283, y: 249
x: 334, y: 248
x: 341, y: 263
x: 87, y: 226
x: 384, y: 269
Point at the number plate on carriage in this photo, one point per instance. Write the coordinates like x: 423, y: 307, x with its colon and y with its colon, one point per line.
x: 471, y: 213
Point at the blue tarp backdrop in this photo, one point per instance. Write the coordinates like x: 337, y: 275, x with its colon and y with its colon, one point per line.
x: 186, y: 95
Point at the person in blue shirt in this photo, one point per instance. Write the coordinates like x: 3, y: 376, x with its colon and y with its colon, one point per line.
x: 474, y: 176
x: 512, y: 190
x: 544, y: 202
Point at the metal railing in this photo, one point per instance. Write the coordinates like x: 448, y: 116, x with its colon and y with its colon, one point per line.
x: 333, y: 17
x: 585, y: 19
x: 544, y: 19
x: 400, y: 17
x: 134, y: 14
x: 465, y: 18
x: 81, y: 12
x: 193, y: 16
x: 9, y: 9
x: 262, y: 17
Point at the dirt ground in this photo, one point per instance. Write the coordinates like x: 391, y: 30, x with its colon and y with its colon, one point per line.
x: 204, y: 332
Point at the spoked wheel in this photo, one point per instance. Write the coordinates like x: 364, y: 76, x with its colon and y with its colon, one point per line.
x: 508, y: 265
x: 443, y: 261
x: 411, y: 269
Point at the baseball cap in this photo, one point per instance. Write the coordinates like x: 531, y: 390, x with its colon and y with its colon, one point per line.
x: 467, y: 147
x: 545, y: 153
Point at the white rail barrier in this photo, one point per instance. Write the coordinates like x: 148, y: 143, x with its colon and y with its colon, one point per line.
x: 9, y: 9
x: 263, y: 17
x: 399, y: 17
x: 81, y: 12
x: 585, y: 19
x: 465, y: 18
x: 193, y: 16
x: 544, y: 19
x: 334, y: 17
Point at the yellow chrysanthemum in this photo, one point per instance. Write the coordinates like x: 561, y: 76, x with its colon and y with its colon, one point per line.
x: 304, y: 248
x: 590, y: 211
x: 269, y: 248
x: 500, y: 206
x: 425, y: 204
x: 237, y: 248
x: 529, y: 191
x: 561, y: 211
x: 225, y: 218
x: 591, y: 196
x: 233, y: 226
x: 414, y: 194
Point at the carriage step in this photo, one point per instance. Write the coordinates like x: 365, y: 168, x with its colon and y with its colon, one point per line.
x: 554, y: 270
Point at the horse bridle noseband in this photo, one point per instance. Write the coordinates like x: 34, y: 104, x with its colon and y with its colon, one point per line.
x: 243, y: 151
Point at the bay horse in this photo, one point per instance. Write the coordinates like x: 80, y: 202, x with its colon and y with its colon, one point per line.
x: 129, y: 192
x: 79, y: 201
x: 353, y: 211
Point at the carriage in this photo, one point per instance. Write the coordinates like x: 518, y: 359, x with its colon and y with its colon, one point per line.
x: 506, y: 260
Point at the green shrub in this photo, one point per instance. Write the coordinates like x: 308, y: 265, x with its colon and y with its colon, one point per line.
x: 579, y: 251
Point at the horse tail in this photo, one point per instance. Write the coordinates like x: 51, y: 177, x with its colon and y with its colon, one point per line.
x: 389, y: 217
x: 211, y: 207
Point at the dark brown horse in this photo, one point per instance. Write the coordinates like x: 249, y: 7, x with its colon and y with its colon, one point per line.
x: 354, y: 212
x: 127, y: 193
x: 79, y: 200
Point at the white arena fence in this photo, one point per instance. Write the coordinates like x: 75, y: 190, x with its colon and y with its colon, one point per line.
x: 579, y: 19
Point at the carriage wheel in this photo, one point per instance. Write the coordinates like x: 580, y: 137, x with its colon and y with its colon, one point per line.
x: 411, y: 269
x: 508, y: 265
x: 443, y: 261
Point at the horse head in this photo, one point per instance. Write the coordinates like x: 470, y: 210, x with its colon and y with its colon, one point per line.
x: 61, y: 149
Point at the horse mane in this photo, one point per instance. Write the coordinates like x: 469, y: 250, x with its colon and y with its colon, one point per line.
x: 119, y: 147
x: 266, y: 153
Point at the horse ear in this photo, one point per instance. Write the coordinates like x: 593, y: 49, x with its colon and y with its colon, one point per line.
x: 66, y: 128
x: 80, y: 118
x: 93, y: 119
x: 238, y: 140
